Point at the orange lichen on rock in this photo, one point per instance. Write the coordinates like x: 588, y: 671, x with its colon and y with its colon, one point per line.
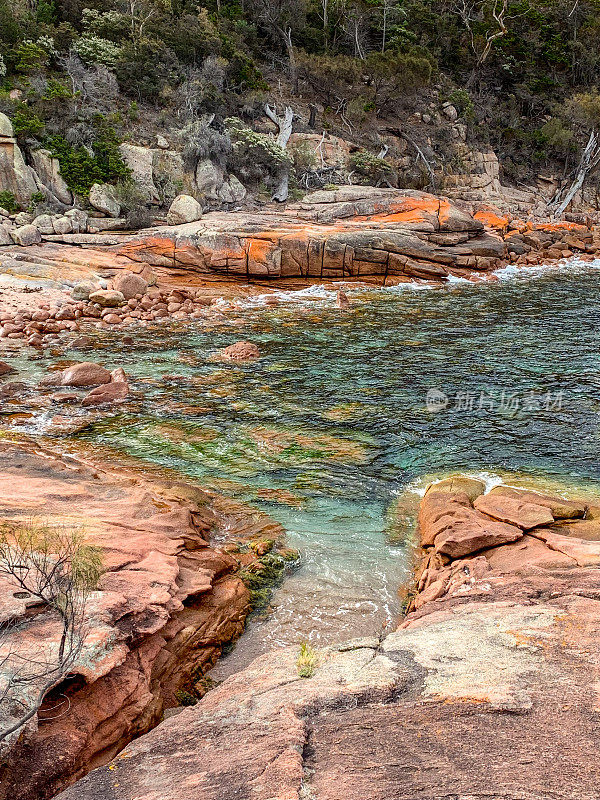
x: 492, y: 217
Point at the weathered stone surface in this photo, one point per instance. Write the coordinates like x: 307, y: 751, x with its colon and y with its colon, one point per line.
x: 107, y: 298
x: 103, y: 199
x: 352, y: 232
x: 140, y: 160
x: 130, y: 284
x: 26, y: 235
x: 48, y: 171
x: 184, y: 209
x: 456, y: 529
x: 85, y: 374
x: 15, y: 175
x: 167, y: 603
x: 514, y: 511
x: 558, y: 506
x: 209, y: 179
x: 489, y: 689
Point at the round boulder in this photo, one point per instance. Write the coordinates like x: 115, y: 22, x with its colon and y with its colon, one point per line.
x: 86, y: 373
x: 184, y: 209
x: 130, y: 284
x: 107, y: 298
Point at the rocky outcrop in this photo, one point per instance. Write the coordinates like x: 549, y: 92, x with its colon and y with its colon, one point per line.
x: 488, y: 689
x: 166, y: 604
x: 353, y: 232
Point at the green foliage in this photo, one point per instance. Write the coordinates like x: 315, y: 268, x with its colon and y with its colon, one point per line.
x: 461, y: 100
x: 254, y: 155
x: 307, y: 660
x: 35, y: 200
x: 81, y: 169
x: 8, y: 201
x: 26, y: 122
x: 370, y: 166
x: 29, y: 57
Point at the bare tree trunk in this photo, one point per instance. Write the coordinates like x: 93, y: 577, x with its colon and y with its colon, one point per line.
x: 287, y: 39
x: 312, y: 120
x: 284, y: 125
x: 589, y: 160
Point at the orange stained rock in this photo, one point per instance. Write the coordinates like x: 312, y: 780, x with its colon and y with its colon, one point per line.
x: 491, y: 218
x: 259, y: 250
x: 561, y: 226
x: 412, y: 209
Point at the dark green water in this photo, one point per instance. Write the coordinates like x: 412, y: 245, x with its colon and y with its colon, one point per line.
x: 333, y: 420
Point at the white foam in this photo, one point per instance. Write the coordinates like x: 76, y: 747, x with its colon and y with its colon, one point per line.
x: 513, y: 272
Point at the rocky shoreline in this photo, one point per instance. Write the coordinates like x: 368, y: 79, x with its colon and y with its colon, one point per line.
x: 358, y: 235
x: 489, y: 687
x: 171, y: 596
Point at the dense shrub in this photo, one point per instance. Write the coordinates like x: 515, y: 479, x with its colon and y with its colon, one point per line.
x: 81, y: 167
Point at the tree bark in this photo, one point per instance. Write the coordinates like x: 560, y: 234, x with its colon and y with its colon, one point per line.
x: 284, y: 125
x: 589, y: 160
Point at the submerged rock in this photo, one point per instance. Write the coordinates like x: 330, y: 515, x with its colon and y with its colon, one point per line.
x: 240, y: 351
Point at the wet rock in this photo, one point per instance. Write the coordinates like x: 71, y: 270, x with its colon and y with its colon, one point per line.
x: 240, y: 351
x: 130, y: 284
x: 107, y: 393
x: 514, y: 511
x: 107, y: 298
x: 342, y: 301
x: 6, y: 369
x: 85, y: 373
x: 458, y: 484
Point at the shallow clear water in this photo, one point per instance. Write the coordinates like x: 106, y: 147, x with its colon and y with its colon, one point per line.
x: 332, y: 424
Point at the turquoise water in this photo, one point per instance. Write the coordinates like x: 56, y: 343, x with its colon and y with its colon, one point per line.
x: 328, y: 429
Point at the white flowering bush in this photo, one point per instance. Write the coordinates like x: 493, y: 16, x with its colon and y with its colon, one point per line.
x: 93, y: 49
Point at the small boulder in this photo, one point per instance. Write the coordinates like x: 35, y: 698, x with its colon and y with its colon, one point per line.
x: 342, y: 300
x: 184, y: 209
x: 130, y: 284
x: 43, y: 222
x: 449, y: 111
x: 5, y: 237
x: 118, y: 375
x: 107, y: 298
x: 79, y: 219
x: 85, y: 373
x: 457, y: 484
x: 82, y: 290
x: 240, y: 351
x: 26, y: 236
x: 6, y: 369
x: 62, y: 225
x: 108, y: 393
x: 103, y: 199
